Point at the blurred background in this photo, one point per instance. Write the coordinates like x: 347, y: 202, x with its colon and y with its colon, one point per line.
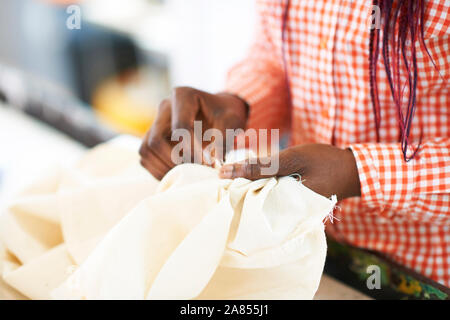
x: 76, y: 73
x: 126, y: 54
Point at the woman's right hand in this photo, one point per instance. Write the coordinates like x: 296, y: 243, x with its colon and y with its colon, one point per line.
x: 220, y: 111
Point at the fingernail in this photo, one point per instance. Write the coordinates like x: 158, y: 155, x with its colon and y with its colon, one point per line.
x: 226, y: 172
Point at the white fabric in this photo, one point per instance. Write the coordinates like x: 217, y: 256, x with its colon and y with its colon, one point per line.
x: 107, y: 230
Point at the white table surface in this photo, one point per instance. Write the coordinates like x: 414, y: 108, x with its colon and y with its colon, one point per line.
x: 332, y: 289
x: 28, y: 148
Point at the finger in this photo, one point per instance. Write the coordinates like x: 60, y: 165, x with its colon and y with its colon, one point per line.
x: 213, y: 146
x: 184, y: 107
x: 148, y: 154
x: 220, y: 146
x: 223, y: 141
x: 164, y: 164
x: 198, y: 150
x: 144, y: 144
x: 149, y: 165
x: 157, y: 139
x: 159, y: 148
x: 162, y: 150
x: 248, y: 169
x: 282, y: 164
x: 155, y: 163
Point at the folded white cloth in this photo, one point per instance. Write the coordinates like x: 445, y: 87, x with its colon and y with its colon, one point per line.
x: 107, y: 230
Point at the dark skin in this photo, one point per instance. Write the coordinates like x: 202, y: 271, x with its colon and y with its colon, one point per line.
x: 222, y: 111
x: 323, y: 168
x: 326, y: 169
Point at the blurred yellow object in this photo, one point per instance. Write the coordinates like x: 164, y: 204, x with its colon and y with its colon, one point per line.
x: 127, y: 102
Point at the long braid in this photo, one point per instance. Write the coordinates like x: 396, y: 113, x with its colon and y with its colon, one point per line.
x: 403, y: 27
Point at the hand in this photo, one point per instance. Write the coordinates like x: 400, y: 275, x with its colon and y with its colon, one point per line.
x: 221, y: 111
x: 323, y: 168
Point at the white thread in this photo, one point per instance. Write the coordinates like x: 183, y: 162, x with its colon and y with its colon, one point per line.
x: 330, y: 215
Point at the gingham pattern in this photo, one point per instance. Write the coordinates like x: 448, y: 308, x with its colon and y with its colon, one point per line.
x: 404, y: 210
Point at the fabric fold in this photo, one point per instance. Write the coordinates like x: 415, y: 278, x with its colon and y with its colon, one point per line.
x: 124, y: 235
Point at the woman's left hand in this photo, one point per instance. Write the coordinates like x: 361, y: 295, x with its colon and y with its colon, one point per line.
x: 326, y: 169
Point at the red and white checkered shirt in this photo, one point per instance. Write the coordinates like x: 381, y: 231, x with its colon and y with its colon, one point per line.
x: 404, y: 208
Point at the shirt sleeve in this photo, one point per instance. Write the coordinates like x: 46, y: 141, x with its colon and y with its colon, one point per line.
x: 260, y: 78
x: 418, y: 189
